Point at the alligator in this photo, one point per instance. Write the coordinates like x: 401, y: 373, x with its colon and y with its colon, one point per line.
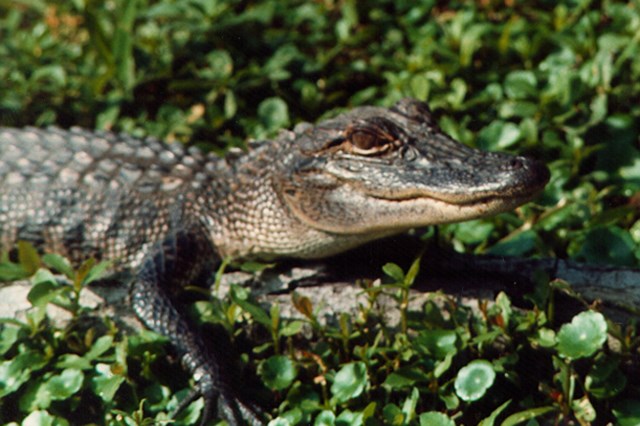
x: 167, y: 215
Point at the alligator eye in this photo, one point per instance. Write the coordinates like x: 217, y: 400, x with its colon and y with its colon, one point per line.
x: 366, y: 142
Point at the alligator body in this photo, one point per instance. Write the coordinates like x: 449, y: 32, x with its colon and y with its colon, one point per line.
x: 167, y: 215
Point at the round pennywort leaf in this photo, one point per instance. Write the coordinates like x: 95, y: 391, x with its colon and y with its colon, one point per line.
x: 474, y: 379
x: 277, y: 372
x: 583, y: 336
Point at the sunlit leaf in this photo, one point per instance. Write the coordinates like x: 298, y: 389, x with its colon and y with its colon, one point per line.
x: 474, y: 379
x: 585, y: 334
x: 434, y: 418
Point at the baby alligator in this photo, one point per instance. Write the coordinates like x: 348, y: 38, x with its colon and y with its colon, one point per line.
x: 167, y: 215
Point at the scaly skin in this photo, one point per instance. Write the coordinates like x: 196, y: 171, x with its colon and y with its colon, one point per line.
x: 167, y: 215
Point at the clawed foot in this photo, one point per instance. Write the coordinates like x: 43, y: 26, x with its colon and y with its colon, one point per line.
x: 222, y: 403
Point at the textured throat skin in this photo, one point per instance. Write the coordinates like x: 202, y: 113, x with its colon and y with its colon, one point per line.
x: 168, y: 215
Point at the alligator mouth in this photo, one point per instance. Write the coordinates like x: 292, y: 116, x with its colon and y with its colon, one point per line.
x: 456, y: 199
x: 491, y: 203
x: 463, y: 199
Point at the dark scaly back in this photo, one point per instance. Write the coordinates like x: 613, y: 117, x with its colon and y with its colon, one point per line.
x: 104, y: 195
x: 140, y: 202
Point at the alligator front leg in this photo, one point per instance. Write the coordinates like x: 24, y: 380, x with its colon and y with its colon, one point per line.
x: 152, y: 304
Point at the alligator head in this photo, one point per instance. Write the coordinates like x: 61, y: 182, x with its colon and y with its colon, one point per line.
x: 380, y: 171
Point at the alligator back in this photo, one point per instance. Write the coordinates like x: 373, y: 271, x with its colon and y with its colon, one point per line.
x: 83, y: 194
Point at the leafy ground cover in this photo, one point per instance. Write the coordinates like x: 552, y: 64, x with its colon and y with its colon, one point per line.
x: 556, y: 80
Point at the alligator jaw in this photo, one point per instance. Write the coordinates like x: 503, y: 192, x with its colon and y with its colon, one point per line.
x: 380, y: 217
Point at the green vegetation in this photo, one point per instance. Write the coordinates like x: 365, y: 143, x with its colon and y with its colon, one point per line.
x: 556, y: 80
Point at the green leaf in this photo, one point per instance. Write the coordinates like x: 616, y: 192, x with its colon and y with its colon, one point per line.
x: 50, y: 75
x: 349, y: 382
x: 325, y: 418
x: 58, y: 263
x: 498, y: 135
x: 292, y: 416
x: 521, y: 109
x: 471, y: 41
x: 474, y: 379
x: 612, y: 245
x: 189, y: 416
x: 420, y: 86
x: 523, y: 416
x: 586, y: 333
x: 393, y: 415
x: 100, y: 346
x: 280, y: 422
x: 276, y: 66
x: 521, y: 85
x: 15, y: 372
x: 583, y: 410
x: 273, y: 114
x: 106, y: 384
x: 620, y: 154
x: 405, y: 377
x: 12, y: 271
x: 40, y: 418
x: 73, y: 361
x: 122, y: 46
x: 545, y: 337
x: 598, y: 108
x: 220, y: 65
x: 443, y: 365
x: 490, y: 421
x: 230, y: 105
x: 28, y: 257
x: 504, y: 304
x: 97, y: 272
x: 44, y: 276
x: 605, y: 380
x: 65, y: 384
x: 519, y: 244
x: 348, y: 418
x: 277, y: 372
x: 8, y: 336
x: 291, y: 328
x: 413, y: 271
x: 369, y: 411
x: 43, y: 293
x: 239, y: 297
x: 627, y: 412
x: 433, y: 418
x: 36, y: 395
x: 394, y: 271
x: 409, y: 406
x: 255, y: 267
x: 438, y: 343
x: 473, y: 231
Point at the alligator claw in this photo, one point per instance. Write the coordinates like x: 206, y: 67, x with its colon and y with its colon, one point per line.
x: 224, y: 405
